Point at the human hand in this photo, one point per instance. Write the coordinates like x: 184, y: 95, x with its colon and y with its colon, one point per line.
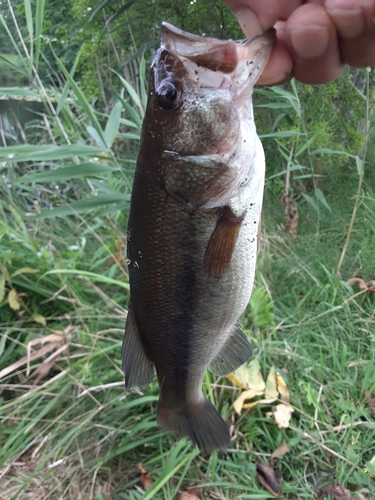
x: 316, y: 38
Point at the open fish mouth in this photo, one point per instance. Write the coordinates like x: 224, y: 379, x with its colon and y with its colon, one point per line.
x: 219, y: 64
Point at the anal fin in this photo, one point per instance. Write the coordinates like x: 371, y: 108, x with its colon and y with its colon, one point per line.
x: 234, y: 353
x: 220, y: 247
x: 137, y: 368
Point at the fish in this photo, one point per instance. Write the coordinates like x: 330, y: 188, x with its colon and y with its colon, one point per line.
x: 193, y: 227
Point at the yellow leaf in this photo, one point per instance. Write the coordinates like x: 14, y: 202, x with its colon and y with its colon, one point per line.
x: 232, y: 377
x: 25, y: 270
x: 13, y: 300
x: 38, y: 318
x: 271, y: 385
x: 249, y: 394
x: 248, y: 376
x: 247, y: 406
x: 255, y: 378
x: 4, y: 272
x: 2, y: 288
x: 282, y: 388
x: 282, y: 415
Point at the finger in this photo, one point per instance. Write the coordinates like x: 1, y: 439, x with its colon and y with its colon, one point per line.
x: 311, y: 37
x: 255, y: 16
x: 355, y: 24
x: 279, y: 68
x: 287, y: 7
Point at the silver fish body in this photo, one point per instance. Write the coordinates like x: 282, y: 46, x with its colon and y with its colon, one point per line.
x: 193, y: 226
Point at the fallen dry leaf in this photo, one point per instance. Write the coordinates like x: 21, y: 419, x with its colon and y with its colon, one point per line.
x: 47, y: 365
x: 274, y: 388
x: 369, y: 287
x: 191, y: 494
x: 267, y: 478
x: 54, y: 341
x: 145, y: 477
x: 336, y: 491
x: 255, y: 377
x: 27, y: 359
x: 271, y: 391
x: 282, y: 415
x: 266, y: 474
x: 248, y: 406
x: 13, y: 300
x: 282, y: 388
x: 249, y: 376
x: 249, y: 394
x: 282, y: 450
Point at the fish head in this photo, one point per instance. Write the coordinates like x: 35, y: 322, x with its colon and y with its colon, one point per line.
x: 201, y: 89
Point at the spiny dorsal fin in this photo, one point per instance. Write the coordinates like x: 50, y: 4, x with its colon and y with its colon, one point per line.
x: 220, y: 248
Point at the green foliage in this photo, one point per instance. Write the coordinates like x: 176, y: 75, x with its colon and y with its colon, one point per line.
x: 118, y: 33
x: 261, y: 312
x: 65, y: 183
x: 10, y: 74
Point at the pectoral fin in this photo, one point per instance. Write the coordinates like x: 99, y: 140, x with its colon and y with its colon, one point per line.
x: 137, y: 368
x: 220, y: 247
x: 234, y: 353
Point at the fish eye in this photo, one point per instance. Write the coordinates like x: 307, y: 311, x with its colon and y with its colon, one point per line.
x: 169, y: 95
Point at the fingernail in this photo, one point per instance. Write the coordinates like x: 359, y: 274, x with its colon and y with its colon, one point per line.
x: 349, y: 22
x: 310, y: 41
x: 249, y: 23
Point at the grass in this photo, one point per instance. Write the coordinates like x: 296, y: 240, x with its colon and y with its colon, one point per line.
x: 10, y: 76
x: 67, y: 428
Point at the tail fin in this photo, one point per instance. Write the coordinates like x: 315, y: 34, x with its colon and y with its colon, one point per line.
x: 200, y: 422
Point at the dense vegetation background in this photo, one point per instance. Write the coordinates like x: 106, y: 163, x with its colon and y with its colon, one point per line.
x: 73, y: 79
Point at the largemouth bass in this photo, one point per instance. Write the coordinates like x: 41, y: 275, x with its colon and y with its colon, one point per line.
x: 193, y: 226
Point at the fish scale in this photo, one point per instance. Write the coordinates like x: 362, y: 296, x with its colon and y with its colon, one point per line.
x: 193, y: 226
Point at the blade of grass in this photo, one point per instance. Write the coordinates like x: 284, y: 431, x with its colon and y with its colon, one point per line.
x: 81, y: 98
x: 67, y: 173
x: 112, y: 202
x: 30, y: 29
x: 39, y: 20
x: 87, y: 274
x: 113, y: 124
x: 47, y: 153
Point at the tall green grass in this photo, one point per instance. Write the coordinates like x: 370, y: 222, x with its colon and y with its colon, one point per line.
x: 67, y: 428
